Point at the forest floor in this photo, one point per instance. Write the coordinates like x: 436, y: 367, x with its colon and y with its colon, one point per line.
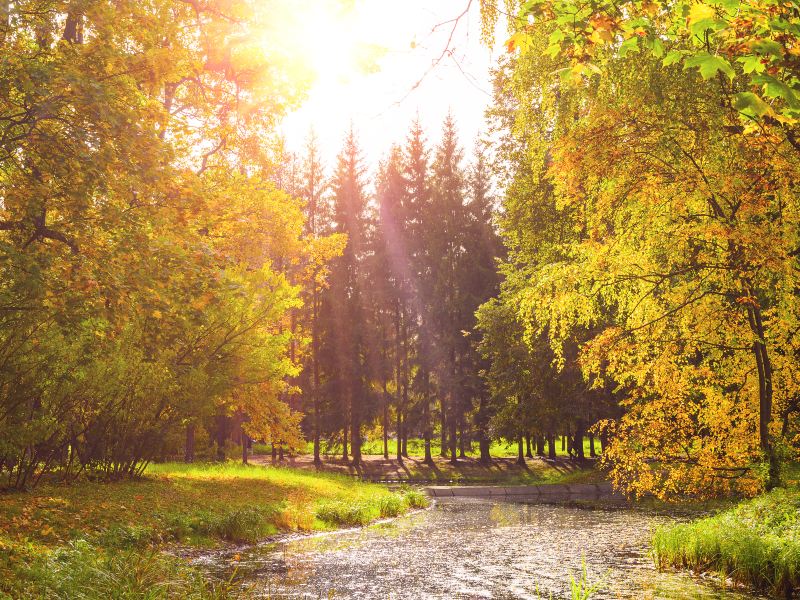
x: 465, y: 471
x: 98, y: 540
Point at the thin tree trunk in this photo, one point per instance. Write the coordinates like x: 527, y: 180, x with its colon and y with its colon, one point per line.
x: 399, y: 449
x: 592, y: 452
x: 427, y: 417
x: 528, y: 449
x: 540, y: 445
x: 580, y: 431
x: 344, y: 443
x: 764, y: 366
x: 355, y: 435
x: 188, y: 454
x: 443, y: 423
x: 551, y: 446
x: 221, y: 435
x: 315, y: 372
x: 453, y: 425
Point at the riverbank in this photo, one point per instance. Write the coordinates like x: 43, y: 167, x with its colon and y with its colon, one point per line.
x: 756, y: 544
x: 95, y: 540
x: 469, y: 470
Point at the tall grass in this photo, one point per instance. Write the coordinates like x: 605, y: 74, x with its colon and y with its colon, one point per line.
x: 81, y: 571
x: 349, y: 514
x: 757, y: 543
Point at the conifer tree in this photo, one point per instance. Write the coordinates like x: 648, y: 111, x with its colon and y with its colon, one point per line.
x: 346, y: 305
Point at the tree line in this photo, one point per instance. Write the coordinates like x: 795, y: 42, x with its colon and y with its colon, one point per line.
x: 387, y: 331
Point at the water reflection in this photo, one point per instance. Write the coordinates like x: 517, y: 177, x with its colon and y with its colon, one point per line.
x: 474, y: 549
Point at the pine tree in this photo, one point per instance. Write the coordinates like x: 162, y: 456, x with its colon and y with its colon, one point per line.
x: 416, y: 171
x: 445, y: 238
x: 346, y: 352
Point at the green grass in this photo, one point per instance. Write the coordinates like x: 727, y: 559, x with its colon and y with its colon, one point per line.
x: 416, y: 448
x: 102, y: 527
x: 756, y: 543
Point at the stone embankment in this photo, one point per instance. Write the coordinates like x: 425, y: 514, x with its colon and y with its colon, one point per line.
x: 554, y: 492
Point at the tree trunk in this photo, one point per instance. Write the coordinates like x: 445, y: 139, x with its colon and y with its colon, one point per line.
x: 355, y: 437
x: 520, y: 451
x: 427, y: 417
x: 528, y: 449
x: 399, y: 435
x: 563, y: 443
x: 453, y: 426
x: 462, y: 448
x: 580, y: 432
x: 592, y: 452
x: 221, y: 435
x: 315, y: 372
x: 484, y: 443
x: 344, y: 443
x: 443, y: 420
x: 385, y: 422
x: 274, y: 453
x: 540, y: 445
x: 244, y: 449
x: 764, y: 367
x: 551, y: 446
x: 280, y: 452
x: 188, y: 454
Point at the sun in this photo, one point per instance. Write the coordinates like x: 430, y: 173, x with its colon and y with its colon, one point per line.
x: 324, y: 38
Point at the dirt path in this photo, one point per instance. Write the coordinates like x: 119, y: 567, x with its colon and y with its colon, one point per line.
x: 467, y: 470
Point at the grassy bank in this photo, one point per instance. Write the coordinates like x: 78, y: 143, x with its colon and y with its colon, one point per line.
x: 756, y: 543
x: 97, y: 540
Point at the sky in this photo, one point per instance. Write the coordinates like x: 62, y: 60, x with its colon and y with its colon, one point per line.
x: 403, y: 39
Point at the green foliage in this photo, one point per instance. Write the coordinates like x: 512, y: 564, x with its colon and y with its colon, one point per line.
x: 245, y: 525
x: 348, y: 514
x: 755, y: 543
x: 81, y: 571
x: 139, y: 232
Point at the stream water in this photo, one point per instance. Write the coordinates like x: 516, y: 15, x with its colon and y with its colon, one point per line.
x: 471, y: 549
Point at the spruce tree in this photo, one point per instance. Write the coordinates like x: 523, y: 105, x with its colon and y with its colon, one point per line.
x: 346, y: 335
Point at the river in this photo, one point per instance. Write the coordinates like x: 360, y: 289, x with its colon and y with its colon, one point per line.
x: 471, y: 548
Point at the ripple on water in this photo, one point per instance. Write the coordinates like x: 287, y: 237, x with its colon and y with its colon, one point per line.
x: 475, y: 549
